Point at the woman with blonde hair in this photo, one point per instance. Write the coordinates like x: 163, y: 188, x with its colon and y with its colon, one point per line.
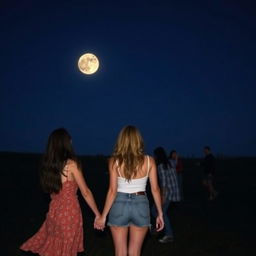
x: 126, y: 201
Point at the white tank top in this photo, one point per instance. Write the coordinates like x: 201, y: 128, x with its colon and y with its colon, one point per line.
x: 134, y: 185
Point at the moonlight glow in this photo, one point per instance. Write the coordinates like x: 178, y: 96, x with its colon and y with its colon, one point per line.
x: 88, y: 63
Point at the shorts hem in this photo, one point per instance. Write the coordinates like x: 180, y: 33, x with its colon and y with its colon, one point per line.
x: 115, y: 225
x: 128, y: 225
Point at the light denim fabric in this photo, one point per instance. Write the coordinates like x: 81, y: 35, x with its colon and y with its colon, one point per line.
x: 129, y: 209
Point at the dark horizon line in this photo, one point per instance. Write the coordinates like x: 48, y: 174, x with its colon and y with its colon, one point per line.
x: 219, y: 156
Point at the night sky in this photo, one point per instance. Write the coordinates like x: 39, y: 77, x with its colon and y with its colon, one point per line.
x: 183, y: 72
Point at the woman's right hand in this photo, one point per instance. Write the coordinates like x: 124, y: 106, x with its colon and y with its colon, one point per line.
x: 159, y: 223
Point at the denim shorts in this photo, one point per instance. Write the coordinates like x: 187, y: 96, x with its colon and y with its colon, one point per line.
x: 129, y: 210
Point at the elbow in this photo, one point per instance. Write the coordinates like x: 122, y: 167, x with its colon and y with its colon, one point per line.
x: 86, y: 193
x: 112, y: 192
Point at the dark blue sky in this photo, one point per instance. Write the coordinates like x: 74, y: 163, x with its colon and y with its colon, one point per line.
x: 182, y: 71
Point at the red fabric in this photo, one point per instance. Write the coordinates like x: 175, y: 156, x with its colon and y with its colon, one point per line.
x: 62, y: 232
x: 179, y: 166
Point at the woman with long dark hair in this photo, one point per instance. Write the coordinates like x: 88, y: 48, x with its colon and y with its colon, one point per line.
x: 126, y: 202
x: 61, y: 234
x: 169, y: 190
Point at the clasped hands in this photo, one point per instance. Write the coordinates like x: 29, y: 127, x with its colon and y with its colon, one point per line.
x: 99, y: 223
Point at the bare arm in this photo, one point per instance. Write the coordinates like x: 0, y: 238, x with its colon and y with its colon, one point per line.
x: 156, y: 194
x: 85, y: 191
x: 112, y: 190
x: 111, y: 194
x: 155, y: 190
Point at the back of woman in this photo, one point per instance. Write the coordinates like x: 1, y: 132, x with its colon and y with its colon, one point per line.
x: 137, y: 182
x: 127, y: 204
x: 61, y: 234
x: 131, y: 204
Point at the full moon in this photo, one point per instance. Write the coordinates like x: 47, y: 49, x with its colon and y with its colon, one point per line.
x: 88, y: 63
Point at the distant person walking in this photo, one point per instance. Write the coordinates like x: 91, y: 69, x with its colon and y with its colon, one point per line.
x: 209, y: 166
x: 176, y: 163
x: 62, y: 232
x: 169, y: 190
x: 126, y: 201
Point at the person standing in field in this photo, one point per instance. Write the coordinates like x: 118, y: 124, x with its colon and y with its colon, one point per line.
x: 61, y: 234
x: 126, y: 203
x: 169, y: 190
x: 209, y: 166
x: 176, y: 163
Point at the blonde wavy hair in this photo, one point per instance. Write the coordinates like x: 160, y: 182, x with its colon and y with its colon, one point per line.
x: 129, y: 151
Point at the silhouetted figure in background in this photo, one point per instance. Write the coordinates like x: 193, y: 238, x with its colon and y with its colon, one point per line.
x: 62, y: 231
x: 169, y: 190
x: 178, y: 165
x: 209, y: 166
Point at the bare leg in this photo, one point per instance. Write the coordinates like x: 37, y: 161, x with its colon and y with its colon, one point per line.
x: 119, y: 235
x: 212, y: 191
x: 136, y: 238
x: 210, y: 188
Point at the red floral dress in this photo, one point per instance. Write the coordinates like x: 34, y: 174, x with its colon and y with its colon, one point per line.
x: 62, y: 232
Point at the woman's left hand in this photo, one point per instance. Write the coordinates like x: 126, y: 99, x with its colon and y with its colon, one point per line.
x: 159, y: 223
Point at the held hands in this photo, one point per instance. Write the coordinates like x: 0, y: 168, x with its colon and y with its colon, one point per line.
x: 99, y: 223
x: 159, y: 223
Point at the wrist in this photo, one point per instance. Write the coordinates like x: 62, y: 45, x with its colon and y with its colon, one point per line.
x: 160, y: 214
x: 97, y: 215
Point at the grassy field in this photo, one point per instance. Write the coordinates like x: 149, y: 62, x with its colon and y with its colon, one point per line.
x: 225, y: 226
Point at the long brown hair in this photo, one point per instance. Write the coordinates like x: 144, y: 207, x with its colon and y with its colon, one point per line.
x: 161, y: 158
x: 129, y: 151
x: 59, y: 149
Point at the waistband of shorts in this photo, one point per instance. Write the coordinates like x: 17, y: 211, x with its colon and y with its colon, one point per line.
x: 131, y: 195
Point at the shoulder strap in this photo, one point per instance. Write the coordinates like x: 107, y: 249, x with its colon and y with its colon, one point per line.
x: 118, y: 168
x: 148, y: 165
